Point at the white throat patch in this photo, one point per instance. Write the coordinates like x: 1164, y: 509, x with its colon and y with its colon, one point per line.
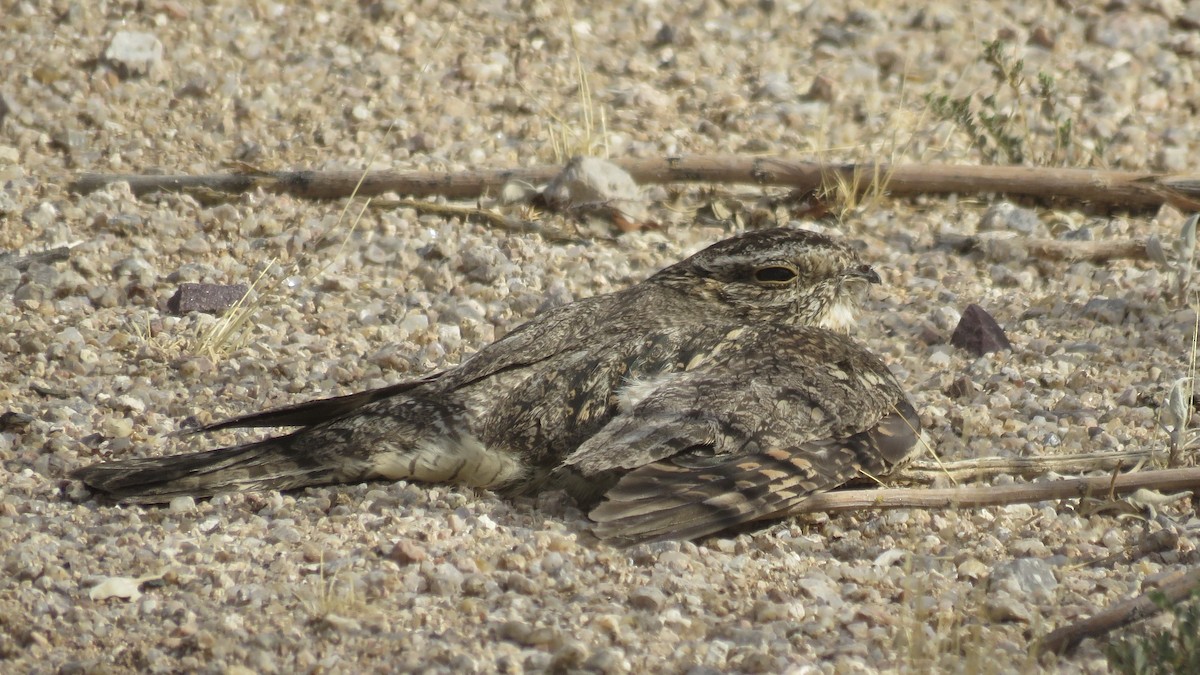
x: 840, y: 317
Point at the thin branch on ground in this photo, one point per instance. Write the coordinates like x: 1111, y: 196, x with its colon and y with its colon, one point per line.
x: 468, y: 213
x: 1167, y: 480
x: 1025, y: 467
x: 44, y: 257
x: 1051, y: 249
x: 1155, y: 542
x: 1068, y: 637
x: 1123, y: 189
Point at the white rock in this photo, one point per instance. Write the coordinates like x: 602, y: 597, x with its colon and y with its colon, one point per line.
x: 125, y: 588
x: 136, y: 52
x: 590, y: 181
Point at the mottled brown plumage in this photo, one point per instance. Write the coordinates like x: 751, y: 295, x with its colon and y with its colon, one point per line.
x: 707, y: 396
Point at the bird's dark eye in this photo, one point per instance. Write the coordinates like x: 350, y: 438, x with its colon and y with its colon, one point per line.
x: 775, y: 274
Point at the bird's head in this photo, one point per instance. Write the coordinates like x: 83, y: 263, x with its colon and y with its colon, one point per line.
x: 795, y: 276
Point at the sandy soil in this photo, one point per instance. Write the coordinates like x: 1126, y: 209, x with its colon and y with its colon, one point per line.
x: 412, y: 578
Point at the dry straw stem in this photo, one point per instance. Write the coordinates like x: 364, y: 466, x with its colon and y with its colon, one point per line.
x: 850, y: 193
x: 1116, y: 188
x: 493, y: 219
x: 1026, y: 467
x: 1121, y: 614
x: 1167, y: 480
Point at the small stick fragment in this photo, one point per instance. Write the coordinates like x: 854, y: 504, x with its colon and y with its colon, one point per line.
x: 1066, y: 638
x: 22, y: 262
x: 491, y: 218
x: 1052, y: 249
x: 1091, y: 251
x: 1162, y: 540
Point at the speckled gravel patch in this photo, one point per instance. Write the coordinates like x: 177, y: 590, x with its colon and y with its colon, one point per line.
x: 397, y: 577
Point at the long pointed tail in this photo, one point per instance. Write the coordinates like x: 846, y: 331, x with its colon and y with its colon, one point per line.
x: 272, y: 464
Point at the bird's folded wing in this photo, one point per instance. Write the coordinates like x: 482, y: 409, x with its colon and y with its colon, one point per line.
x: 708, y: 451
x: 695, y: 492
x: 678, y: 498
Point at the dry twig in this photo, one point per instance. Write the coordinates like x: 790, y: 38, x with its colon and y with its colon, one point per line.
x: 1167, y: 480
x: 1115, y: 188
x: 1121, y: 614
x: 467, y: 213
x: 1051, y: 249
x: 1026, y: 467
x: 1155, y: 542
x: 46, y: 257
x: 1066, y: 638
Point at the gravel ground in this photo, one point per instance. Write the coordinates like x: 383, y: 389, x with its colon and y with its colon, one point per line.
x: 410, y: 578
